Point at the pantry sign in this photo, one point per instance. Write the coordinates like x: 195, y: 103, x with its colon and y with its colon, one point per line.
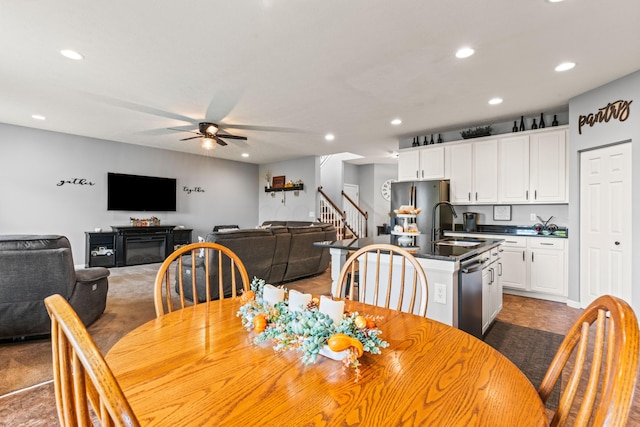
x: 618, y: 110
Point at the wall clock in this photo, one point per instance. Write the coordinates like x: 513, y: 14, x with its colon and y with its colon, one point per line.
x: 386, y: 189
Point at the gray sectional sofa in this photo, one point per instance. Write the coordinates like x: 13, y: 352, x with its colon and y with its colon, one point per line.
x: 32, y: 267
x: 280, y: 251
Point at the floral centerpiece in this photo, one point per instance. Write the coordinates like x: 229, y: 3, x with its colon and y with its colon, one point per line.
x: 306, y: 328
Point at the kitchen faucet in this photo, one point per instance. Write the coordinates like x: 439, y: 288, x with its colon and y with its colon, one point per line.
x: 436, y: 231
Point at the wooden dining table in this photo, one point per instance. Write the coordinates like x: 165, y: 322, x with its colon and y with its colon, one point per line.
x: 199, y: 367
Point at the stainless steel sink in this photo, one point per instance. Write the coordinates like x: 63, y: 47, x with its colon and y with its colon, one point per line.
x: 466, y: 243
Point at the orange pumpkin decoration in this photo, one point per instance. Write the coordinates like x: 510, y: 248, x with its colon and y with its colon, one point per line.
x: 341, y: 342
x: 371, y: 324
x: 247, y: 296
x: 259, y: 323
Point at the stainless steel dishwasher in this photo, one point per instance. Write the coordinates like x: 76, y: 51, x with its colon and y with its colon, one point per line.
x: 470, y: 296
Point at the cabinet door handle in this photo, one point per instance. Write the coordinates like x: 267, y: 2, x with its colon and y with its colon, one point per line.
x: 527, y: 195
x: 499, y: 269
x: 522, y: 255
x: 423, y: 173
x: 491, y: 279
x: 535, y: 195
x: 546, y: 244
x: 531, y: 256
x: 476, y: 196
x: 616, y: 243
x: 469, y: 195
x: 510, y: 241
x: 417, y: 174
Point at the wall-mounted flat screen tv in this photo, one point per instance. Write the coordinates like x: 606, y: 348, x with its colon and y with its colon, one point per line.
x: 140, y: 193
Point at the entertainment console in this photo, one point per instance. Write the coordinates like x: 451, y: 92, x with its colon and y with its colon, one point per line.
x: 127, y: 245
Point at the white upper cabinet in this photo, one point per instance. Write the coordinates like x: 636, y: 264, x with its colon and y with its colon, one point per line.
x: 533, y: 168
x: 425, y: 163
x: 461, y: 164
x: 514, y: 169
x: 485, y: 171
x: 474, y: 172
x: 408, y: 165
x: 547, y: 174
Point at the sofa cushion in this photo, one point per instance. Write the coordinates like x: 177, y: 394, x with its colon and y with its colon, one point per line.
x: 255, y: 248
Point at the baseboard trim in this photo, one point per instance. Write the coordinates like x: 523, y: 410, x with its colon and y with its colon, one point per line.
x: 31, y: 387
x: 573, y: 304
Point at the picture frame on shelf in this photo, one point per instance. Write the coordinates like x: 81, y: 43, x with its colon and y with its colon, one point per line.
x: 502, y: 212
x: 278, y: 181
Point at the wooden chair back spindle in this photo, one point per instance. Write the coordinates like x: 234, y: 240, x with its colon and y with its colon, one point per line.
x: 228, y: 265
x: 606, y: 398
x: 397, y: 283
x: 81, y: 375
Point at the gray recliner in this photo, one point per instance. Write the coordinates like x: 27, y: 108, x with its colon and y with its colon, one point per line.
x: 33, y: 267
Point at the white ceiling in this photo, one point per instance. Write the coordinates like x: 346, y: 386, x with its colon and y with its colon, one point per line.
x: 302, y: 67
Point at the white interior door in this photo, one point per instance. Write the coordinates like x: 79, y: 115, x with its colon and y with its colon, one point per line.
x: 605, y: 223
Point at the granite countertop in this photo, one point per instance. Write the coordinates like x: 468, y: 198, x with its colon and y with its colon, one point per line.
x: 423, y: 249
x: 510, y: 230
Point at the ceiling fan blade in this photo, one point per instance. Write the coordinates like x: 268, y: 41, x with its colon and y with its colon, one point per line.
x: 260, y: 128
x: 226, y: 135
x: 222, y: 103
x: 186, y: 128
x: 219, y: 141
x: 141, y: 108
x: 193, y: 137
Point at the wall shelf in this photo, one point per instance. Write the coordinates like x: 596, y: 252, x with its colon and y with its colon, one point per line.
x: 298, y: 187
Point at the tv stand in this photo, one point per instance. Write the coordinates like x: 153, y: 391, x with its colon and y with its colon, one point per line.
x: 127, y: 245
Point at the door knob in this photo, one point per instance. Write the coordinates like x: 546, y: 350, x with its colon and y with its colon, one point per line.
x: 617, y: 243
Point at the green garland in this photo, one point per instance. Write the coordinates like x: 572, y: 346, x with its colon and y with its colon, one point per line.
x: 307, y: 330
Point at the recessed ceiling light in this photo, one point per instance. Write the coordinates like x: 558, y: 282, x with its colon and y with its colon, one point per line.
x: 465, y: 52
x: 396, y: 122
x: 245, y: 154
x: 329, y: 137
x: 565, y: 66
x: 71, y: 54
x: 38, y: 117
x: 554, y: 1
x: 495, y: 101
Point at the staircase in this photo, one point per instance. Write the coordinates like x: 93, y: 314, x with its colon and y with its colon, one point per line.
x: 350, y: 223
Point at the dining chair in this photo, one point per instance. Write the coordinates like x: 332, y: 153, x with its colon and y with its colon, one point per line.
x: 80, y: 373
x: 606, y: 345
x: 399, y: 283
x: 204, y: 271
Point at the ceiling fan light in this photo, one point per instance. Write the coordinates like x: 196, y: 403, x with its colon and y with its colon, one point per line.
x: 208, y: 144
x: 212, y: 129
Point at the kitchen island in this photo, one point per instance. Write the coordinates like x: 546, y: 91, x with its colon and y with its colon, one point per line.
x: 441, y: 264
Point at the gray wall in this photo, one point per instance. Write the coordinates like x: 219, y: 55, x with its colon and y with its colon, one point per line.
x: 602, y: 134
x: 33, y: 161
x: 371, y: 178
x: 520, y: 215
x: 285, y: 206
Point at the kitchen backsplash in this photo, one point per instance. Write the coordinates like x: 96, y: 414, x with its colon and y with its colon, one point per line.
x: 520, y: 214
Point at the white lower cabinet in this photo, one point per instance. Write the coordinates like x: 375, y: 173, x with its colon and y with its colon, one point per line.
x: 491, y: 287
x: 514, y: 265
x: 536, y: 267
x: 548, y: 266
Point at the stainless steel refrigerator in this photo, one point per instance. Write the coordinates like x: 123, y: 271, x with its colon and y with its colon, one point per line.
x: 424, y: 195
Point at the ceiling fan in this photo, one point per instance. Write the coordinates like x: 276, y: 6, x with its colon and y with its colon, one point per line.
x: 210, y: 132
